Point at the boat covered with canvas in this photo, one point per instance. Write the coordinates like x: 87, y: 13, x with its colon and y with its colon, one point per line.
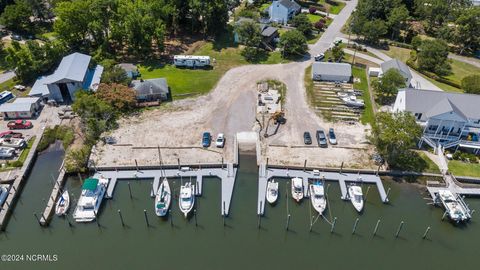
x: 93, y: 191
x: 63, y: 203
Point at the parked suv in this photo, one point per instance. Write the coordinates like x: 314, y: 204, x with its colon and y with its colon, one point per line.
x: 321, y: 139
x: 307, y: 139
x: 206, y: 139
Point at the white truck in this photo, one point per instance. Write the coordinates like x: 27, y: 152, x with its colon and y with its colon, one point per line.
x: 191, y: 61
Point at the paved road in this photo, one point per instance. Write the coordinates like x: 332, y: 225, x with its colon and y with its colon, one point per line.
x: 6, y: 76
x: 468, y: 60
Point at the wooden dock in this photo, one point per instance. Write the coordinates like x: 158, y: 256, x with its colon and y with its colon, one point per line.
x: 19, y: 177
x: 56, y: 191
x: 342, y: 178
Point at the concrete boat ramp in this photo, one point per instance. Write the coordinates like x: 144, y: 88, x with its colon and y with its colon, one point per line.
x: 265, y: 174
x: 226, y: 174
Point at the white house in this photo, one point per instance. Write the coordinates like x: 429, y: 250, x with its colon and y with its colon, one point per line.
x: 401, y: 67
x: 72, y: 74
x: 448, y: 119
x: 282, y: 11
x: 333, y: 72
x: 21, y: 108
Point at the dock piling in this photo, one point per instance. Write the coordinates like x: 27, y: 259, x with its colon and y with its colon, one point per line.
x: 328, y: 187
x: 444, y: 214
x: 195, y: 215
x: 288, y: 222
x: 376, y: 227
x: 473, y: 211
x: 341, y: 167
x: 171, y: 217
x: 129, y: 190
x: 305, y: 165
x: 36, y: 217
x: 136, y: 165
x: 355, y: 225
x: 146, y: 217
x: 68, y: 220
x: 386, y: 197
x: 121, y: 217
x: 366, y: 194
x: 96, y: 219
x: 399, y: 229
x: 426, y: 232
x: 333, y: 224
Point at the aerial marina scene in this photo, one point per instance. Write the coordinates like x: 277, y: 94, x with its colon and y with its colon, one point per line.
x: 239, y: 134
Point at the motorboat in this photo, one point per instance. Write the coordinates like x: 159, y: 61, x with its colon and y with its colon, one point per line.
x: 317, y: 197
x: 93, y: 191
x: 4, y: 189
x: 187, y: 198
x: 63, y: 203
x: 356, y: 197
x: 455, y: 207
x: 297, y: 189
x: 272, y: 191
x: 352, y: 101
x: 163, y: 198
x: 6, y: 152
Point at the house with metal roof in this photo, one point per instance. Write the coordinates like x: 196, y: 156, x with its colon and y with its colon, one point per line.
x: 151, y: 90
x: 400, y: 67
x: 282, y: 11
x: 333, y: 72
x: 448, y: 119
x: 72, y: 74
x: 21, y: 108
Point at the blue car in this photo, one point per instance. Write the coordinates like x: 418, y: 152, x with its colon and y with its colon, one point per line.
x: 206, y: 139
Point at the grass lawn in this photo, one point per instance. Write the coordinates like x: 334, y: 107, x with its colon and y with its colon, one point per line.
x: 443, y: 86
x: 431, y: 166
x: 263, y: 7
x: 8, y: 85
x: 461, y: 70
x: 367, y: 114
x: 314, y: 17
x: 335, y: 9
x: 24, y: 154
x: 309, y: 85
x: 401, y: 54
x: 459, y: 168
x: 185, y: 82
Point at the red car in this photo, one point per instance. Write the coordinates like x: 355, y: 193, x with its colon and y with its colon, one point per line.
x: 19, y: 124
x: 11, y: 134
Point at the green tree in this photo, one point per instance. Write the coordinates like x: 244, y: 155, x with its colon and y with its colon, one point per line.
x: 387, y: 87
x: 293, y: 43
x: 433, y: 56
x: 467, y: 30
x: 373, y: 30
x: 115, y: 74
x: 119, y: 96
x: 397, y: 20
x: 471, y: 84
x: 250, y: 35
x: 337, y: 53
x: 393, y: 136
x: 16, y: 17
x: 302, y: 23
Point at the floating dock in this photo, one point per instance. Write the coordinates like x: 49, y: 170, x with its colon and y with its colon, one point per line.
x: 226, y: 174
x: 342, y: 178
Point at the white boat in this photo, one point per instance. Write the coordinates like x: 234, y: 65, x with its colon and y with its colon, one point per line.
x: 187, y: 198
x: 317, y: 196
x: 455, y: 207
x: 4, y: 189
x: 356, y: 197
x: 63, y: 203
x: 353, y: 101
x: 163, y: 199
x: 6, y: 152
x: 272, y: 191
x: 93, y: 191
x: 297, y: 189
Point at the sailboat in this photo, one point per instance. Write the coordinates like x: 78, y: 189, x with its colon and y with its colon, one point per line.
x: 163, y: 199
x: 317, y: 197
x: 356, y: 197
x: 63, y: 204
x: 297, y: 189
x: 272, y: 191
x: 187, y: 198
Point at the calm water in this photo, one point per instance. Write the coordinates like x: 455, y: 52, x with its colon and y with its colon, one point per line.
x: 240, y: 244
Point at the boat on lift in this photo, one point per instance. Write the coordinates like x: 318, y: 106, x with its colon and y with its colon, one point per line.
x: 455, y: 208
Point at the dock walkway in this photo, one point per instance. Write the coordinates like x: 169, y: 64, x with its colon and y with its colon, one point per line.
x: 227, y: 176
x: 342, y: 178
x: 56, y: 191
x: 454, y: 186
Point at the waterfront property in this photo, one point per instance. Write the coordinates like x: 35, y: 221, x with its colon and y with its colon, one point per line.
x: 22, y: 107
x: 282, y: 11
x: 449, y: 120
x: 398, y: 65
x: 332, y: 72
x: 73, y: 73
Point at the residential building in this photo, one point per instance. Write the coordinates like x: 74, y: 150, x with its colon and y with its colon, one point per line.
x: 21, y: 108
x: 401, y: 67
x: 72, y: 74
x: 151, y: 90
x: 130, y: 69
x: 449, y: 120
x: 270, y: 34
x: 282, y: 11
x: 329, y: 71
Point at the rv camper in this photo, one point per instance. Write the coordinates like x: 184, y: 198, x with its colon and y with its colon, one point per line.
x: 191, y: 61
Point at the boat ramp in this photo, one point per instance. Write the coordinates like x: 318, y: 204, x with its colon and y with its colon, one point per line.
x: 342, y: 178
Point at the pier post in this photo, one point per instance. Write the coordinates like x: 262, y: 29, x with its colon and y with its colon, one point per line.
x: 159, y: 156
x: 178, y: 162
x: 355, y: 225
x: 195, y: 215
x: 399, y: 229
x: 328, y: 187
x: 288, y: 222
x: 366, y: 194
x: 171, y: 217
x: 444, y: 214
x: 426, y: 232
x: 259, y: 223
x: 473, y: 211
x: 68, y: 220
x: 341, y: 167
x: 96, y: 219
x: 222, y: 163
x: 146, y: 217
x: 333, y: 224
x: 376, y: 227
x: 136, y: 165
x: 378, y: 170
x: 386, y: 197
x: 121, y: 217
x: 305, y: 165
x: 13, y: 186
x: 129, y: 189
x: 223, y: 211
x: 36, y: 217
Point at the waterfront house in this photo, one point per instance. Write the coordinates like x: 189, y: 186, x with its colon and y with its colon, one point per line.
x: 449, y: 120
x: 151, y: 90
x: 282, y: 11
x: 72, y: 74
x: 401, y: 67
x: 21, y: 108
x: 333, y: 72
